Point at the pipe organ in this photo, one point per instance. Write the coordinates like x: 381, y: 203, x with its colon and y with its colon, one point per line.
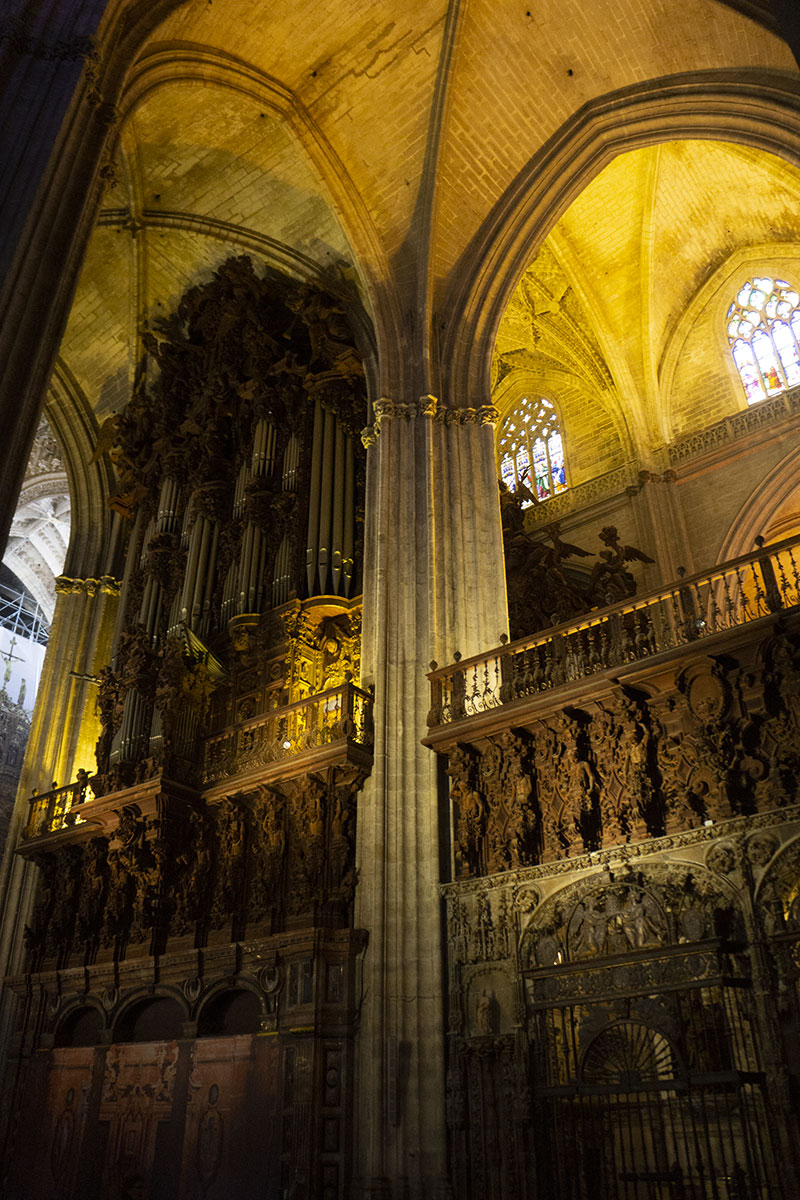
x: 242, y: 468
x: 208, y: 868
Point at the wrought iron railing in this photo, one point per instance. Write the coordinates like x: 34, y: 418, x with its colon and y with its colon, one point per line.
x: 58, y: 808
x: 342, y: 713
x: 695, y: 607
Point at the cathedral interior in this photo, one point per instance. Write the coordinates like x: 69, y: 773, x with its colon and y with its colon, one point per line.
x: 401, y: 462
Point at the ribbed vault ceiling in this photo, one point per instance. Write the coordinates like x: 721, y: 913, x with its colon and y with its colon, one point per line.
x: 369, y: 144
x: 632, y: 256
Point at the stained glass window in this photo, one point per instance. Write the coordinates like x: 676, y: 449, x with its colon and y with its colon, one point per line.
x: 764, y: 334
x: 531, y: 451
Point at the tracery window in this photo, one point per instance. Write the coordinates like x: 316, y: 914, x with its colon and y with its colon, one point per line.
x: 764, y: 334
x: 531, y: 450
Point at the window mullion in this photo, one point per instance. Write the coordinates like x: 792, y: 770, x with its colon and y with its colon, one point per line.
x: 546, y: 441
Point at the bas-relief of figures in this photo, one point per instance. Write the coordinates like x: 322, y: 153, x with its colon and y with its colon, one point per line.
x: 230, y: 848
x: 614, y: 913
x: 190, y: 871
x: 193, y: 877
x: 266, y: 861
x: 470, y: 808
x: 721, y: 743
x: 341, y: 854
x: 128, y: 857
x: 624, y: 918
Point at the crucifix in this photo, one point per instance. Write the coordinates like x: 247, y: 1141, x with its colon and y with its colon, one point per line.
x: 8, y: 655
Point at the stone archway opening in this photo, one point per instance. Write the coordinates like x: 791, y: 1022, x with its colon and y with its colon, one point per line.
x: 33, y: 560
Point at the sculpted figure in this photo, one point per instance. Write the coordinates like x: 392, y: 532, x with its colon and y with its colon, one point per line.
x: 483, y: 1013
x: 469, y: 810
x: 93, y: 891
x: 579, y: 797
x: 109, y: 702
x: 611, y: 580
x: 590, y: 925
x: 331, y: 340
x: 638, y: 922
x: 512, y: 515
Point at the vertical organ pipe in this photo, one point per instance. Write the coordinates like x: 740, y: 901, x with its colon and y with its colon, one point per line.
x: 337, y: 529
x: 190, y: 574
x: 133, y: 732
x: 173, y: 623
x: 167, y: 519
x: 313, y: 503
x: 325, y: 500
x: 348, y: 540
x: 130, y: 566
x: 199, y: 582
x: 247, y: 597
x: 229, y: 593
x: 290, y: 457
x: 244, y: 568
x: 280, y: 575
x: 259, y: 449
x: 242, y: 479
x: 211, y: 572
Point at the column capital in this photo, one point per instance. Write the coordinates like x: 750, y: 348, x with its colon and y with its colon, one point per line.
x: 107, y: 585
x: 425, y: 406
x: 486, y: 414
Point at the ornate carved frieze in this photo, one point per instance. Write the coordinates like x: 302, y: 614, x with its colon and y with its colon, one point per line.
x: 695, y: 745
x: 170, y: 866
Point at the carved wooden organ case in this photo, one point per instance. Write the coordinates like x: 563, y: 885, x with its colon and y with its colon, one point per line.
x: 212, y: 855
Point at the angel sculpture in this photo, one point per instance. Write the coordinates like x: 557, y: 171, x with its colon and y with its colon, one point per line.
x: 560, y: 550
x: 566, y: 598
x: 511, y: 509
x: 611, y: 580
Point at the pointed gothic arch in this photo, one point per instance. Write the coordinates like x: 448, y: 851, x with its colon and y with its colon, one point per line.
x: 746, y: 107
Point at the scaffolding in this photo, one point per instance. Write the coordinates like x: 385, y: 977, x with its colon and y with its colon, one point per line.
x: 22, y: 616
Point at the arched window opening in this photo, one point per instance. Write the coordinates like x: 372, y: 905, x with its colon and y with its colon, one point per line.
x: 80, y: 1028
x: 153, y: 1020
x: 531, y: 450
x: 233, y: 1012
x: 33, y: 560
x: 764, y: 335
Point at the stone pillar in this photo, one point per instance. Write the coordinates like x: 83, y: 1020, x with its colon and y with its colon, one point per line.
x: 662, y: 526
x: 63, y: 734
x: 43, y: 50
x: 434, y: 582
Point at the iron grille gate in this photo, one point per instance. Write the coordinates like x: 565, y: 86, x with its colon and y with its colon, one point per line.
x: 701, y: 1141
x: 650, y: 1095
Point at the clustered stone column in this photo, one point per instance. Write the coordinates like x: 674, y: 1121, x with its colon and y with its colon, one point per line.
x: 432, y: 582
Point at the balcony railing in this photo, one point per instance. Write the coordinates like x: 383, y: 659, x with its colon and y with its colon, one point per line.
x: 58, y: 808
x: 342, y: 713
x: 695, y: 607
